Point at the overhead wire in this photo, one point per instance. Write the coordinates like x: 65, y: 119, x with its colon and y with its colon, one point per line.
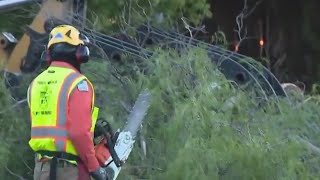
x: 183, y: 42
x: 113, y: 42
x: 127, y: 47
x: 182, y: 39
x: 273, y: 80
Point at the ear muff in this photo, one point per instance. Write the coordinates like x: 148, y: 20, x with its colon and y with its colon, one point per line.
x: 82, y: 54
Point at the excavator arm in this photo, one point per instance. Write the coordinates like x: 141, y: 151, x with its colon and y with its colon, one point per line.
x: 23, y: 56
x: 16, y: 62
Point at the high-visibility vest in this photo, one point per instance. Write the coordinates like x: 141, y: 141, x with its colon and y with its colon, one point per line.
x: 48, y: 96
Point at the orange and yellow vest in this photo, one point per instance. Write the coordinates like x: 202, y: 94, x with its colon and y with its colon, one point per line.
x: 48, y: 96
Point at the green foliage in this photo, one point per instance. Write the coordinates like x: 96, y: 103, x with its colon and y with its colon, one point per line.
x: 192, y: 134
x: 117, y: 14
x: 15, y: 155
x: 315, y: 88
x: 191, y: 137
x: 190, y: 130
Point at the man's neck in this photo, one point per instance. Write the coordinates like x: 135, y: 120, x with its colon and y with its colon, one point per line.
x: 65, y: 64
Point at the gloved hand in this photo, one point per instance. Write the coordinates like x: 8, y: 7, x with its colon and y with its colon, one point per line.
x: 100, y: 174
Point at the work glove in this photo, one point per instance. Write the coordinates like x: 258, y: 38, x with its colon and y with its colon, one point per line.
x: 100, y: 174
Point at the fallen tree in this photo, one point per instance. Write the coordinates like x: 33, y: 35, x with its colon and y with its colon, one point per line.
x: 194, y: 129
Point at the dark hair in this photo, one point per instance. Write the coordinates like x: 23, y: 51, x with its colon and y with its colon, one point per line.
x: 64, y: 52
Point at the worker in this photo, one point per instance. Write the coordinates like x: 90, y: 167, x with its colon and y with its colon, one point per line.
x: 63, y: 115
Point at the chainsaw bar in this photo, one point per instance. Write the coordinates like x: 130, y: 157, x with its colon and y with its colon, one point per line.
x: 138, y: 112
x: 126, y: 138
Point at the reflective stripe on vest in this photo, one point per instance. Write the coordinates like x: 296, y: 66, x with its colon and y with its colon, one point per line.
x: 49, y: 131
x: 63, y: 99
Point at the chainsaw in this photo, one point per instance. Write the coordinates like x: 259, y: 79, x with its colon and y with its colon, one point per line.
x: 113, y: 149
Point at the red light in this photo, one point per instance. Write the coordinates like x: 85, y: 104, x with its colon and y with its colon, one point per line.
x: 237, y: 48
x: 261, y: 42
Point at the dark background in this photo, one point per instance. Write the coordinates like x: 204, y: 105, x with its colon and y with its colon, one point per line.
x: 290, y: 30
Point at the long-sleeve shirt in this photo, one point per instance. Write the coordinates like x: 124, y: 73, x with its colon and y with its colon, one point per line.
x: 79, y: 122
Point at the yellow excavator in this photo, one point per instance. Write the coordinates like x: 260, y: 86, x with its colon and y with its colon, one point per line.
x: 22, y: 56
